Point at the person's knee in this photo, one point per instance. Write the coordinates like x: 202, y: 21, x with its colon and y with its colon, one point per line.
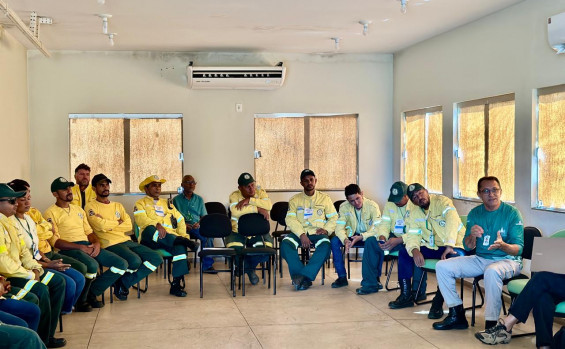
x: 492, y: 274
x: 155, y: 259
x: 80, y: 267
x: 371, y: 242
x: 442, y: 267
x: 336, y: 242
x: 134, y: 262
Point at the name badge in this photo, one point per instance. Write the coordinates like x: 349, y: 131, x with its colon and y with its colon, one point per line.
x: 308, y: 213
x: 486, y: 240
x: 159, y: 211
x: 399, y: 226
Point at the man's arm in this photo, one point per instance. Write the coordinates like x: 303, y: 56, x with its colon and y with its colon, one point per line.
x: 341, y: 223
x: 9, y: 267
x: 97, y: 221
x: 375, y: 214
x: 515, y: 237
x: 140, y: 216
x: 331, y: 215
x: 292, y: 221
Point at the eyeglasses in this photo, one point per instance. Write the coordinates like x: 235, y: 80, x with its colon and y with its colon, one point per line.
x: 11, y: 201
x: 190, y: 182
x: 487, y: 191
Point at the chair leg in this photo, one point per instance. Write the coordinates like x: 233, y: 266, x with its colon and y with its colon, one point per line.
x: 243, y: 282
x: 349, y: 267
x: 388, y: 278
x: 201, y: 280
x: 60, y: 323
x: 232, y: 271
x: 419, y: 287
x: 475, y: 285
x: 275, y: 276
x: 323, y: 274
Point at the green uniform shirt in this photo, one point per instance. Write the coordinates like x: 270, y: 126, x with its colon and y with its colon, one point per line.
x: 192, y: 210
x: 506, y: 219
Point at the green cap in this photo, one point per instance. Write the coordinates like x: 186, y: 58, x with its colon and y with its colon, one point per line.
x: 414, y: 187
x: 7, y: 192
x: 60, y: 183
x: 397, y: 191
x: 245, y: 179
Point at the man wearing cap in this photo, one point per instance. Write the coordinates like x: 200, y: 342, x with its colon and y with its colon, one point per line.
x: 392, y: 227
x: 311, y: 217
x: 82, y: 192
x: 23, y: 271
x: 162, y: 226
x: 110, y: 223
x: 355, y: 227
x: 74, y: 237
x: 249, y: 198
x: 435, y: 231
x: 191, y: 206
x: 496, y: 232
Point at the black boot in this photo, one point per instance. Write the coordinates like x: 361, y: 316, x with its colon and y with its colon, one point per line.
x: 193, y: 246
x: 93, y: 301
x: 405, y: 299
x: 455, y: 320
x: 436, y: 311
x: 120, y: 291
x: 82, y: 304
x: 176, y: 288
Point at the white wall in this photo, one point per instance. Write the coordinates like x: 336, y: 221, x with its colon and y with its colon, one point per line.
x: 502, y: 53
x: 218, y: 142
x: 13, y: 109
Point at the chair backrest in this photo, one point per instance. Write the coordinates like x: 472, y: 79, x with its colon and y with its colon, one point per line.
x: 253, y: 224
x: 278, y: 212
x: 529, y: 234
x: 215, y: 225
x: 337, y: 204
x: 558, y: 234
x: 216, y: 207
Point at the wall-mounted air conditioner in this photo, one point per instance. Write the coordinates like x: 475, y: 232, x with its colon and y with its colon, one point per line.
x: 556, y: 32
x: 231, y: 78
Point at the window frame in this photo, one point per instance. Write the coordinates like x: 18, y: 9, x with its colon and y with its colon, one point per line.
x: 129, y: 116
x: 306, y: 147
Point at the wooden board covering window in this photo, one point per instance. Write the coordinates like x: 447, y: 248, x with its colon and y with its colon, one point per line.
x: 501, y: 146
x: 434, y: 155
x: 472, y: 148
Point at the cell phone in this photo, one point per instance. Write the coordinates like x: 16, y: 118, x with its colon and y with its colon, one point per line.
x: 381, y: 242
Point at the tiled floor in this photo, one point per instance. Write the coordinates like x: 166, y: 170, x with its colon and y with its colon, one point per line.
x: 320, y: 317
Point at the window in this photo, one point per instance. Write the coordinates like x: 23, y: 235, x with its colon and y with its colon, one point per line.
x: 422, y: 145
x: 128, y: 148
x: 485, y: 144
x: 287, y: 144
x: 550, y: 153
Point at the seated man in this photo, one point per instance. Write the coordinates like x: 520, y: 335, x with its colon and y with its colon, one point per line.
x: 82, y: 192
x: 249, y: 199
x: 496, y: 232
x: 23, y: 271
x: 162, y: 226
x: 311, y: 217
x: 434, y: 231
x: 192, y: 208
x: 17, y: 337
x: 74, y: 237
x: 17, y: 312
x: 357, y: 222
x: 110, y: 223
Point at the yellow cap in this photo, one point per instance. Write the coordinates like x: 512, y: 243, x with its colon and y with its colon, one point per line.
x: 149, y: 180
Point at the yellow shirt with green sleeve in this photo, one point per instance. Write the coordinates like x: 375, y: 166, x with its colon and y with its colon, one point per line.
x: 44, y: 230
x: 15, y: 259
x: 108, y: 228
x: 308, y: 213
x: 259, y: 200
x: 148, y: 211
x: 347, y: 223
x: 69, y: 224
x: 393, y: 220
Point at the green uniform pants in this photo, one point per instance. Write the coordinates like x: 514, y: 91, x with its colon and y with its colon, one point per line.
x: 150, y: 238
x: 116, y: 267
x: 238, y: 242
x: 289, y: 251
x: 50, y: 291
x: 75, y: 264
x: 19, y: 337
x: 141, y: 260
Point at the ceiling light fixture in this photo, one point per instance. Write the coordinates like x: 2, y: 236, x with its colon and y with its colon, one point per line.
x: 336, y: 43
x: 403, y: 6
x: 365, y: 23
x: 111, y: 37
x: 101, y: 2
x: 104, y: 22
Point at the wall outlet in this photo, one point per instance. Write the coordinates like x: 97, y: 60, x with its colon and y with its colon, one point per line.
x: 239, y: 107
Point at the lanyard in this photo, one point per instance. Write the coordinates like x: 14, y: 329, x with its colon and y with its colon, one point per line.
x: 28, y: 231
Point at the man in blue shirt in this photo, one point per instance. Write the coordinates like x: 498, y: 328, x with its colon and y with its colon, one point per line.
x: 496, y: 232
x: 191, y: 206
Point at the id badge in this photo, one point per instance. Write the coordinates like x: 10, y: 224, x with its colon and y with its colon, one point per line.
x: 159, y: 211
x: 486, y: 240
x: 308, y: 213
x: 399, y: 227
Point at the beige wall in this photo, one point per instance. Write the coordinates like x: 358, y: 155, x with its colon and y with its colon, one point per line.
x: 13, y: 109
x: 218, y: 142
x: 502, y: 53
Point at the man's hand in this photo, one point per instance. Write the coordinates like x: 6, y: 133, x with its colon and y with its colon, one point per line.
x: 95, y: 248
x: 86, y: 249
x: 356, y: 239
x: 4, y: 286
x: 120, y: 221
x: 58, y: 265
x: 264, y: 212
x: 161, y: 230
x: 498, y: 243
x: 347, y: 244
x: 321, y: 231
x: 196, y: 225
x: 418, y: 257
x: 189, y: 227
x: 390, y: 244
x: 36, y: 272
x: 448, y: 250
x: 99, y: 216
x: 242, y: 204
x: 305, y: 241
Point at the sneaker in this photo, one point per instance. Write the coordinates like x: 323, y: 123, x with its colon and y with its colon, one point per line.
x: 297, y: 281
x: 253, y: 278
x: 304, y: 285
x: 340, y: 282
x: 495, y: 335
x: 379, y: 285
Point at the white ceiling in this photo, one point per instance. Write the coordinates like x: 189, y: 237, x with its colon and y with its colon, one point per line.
x: 294, y: 26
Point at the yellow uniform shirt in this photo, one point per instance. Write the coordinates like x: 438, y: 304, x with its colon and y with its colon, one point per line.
x: 89, y: 194
x: 148, y: 211
x: 438, y: 226
x: 308, y: 213
x: 393, y: 220
x: 69, y: 224
x: 109, y: 231
x: 260, y: 200
x: 44, y: 230
x: 346, y: 225
x: 15, y: 259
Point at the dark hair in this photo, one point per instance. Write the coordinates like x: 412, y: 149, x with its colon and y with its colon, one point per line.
x: 82, y: 167
x: 19, y: 185
x: 352, y: 189
x: 487, y: 178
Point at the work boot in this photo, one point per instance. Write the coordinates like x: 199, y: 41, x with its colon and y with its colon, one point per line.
x: 436, y: 310
x: 120, y: 291
x: 455, y: 320
x: 176, y: 288
x: 379, y: 285
x: 305, y: 285
x: 366, y: 290
x: 56, y: 342
x: 193, y: 246
x: 405, y: 299
x: 93, y: 301
x: 253, y: 278
x: 340, y: 282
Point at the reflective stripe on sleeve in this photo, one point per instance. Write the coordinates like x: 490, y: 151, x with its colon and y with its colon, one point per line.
x: 415, y: 231
x: 331, y: 214
x: 340, y: 222
x: 234, y: 243
x: 149, y: 266
x: 386, y: 218
x: 179, y: 257
x: 445, y: 211
x: 48, y: 276
x: 25, y: 290
x: 90, y: 275
x: 291, y: 214
x: 117, y: 270
x: 320, y: 241
x: 179, y: 219
x: 291, y: 240
x: 167, y: 225
x: 320, y: 220
x: 138, y: 212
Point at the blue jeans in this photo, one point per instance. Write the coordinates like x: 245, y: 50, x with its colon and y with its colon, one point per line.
x: 16, y: 312
x: 207, y: 262
x: 339, y: 263
x: 406, y: 263
x: 74, y: 283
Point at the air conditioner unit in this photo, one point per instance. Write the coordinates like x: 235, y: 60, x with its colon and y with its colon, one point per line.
x: 232, y: 78
x: 556, y: 32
